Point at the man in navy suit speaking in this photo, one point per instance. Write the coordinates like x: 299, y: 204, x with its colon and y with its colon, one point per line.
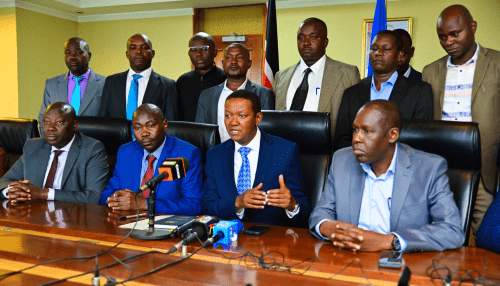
x: 254, y: 176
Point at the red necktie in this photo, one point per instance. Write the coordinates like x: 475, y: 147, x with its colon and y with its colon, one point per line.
x: 53, y: 168
x: 149, y: 173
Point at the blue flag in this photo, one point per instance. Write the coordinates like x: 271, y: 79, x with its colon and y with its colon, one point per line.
x: 379, y: 24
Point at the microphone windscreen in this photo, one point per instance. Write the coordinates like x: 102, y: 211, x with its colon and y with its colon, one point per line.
x: 186, y: 163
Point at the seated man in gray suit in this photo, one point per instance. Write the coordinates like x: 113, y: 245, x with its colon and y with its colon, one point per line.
x: 236, y: 64
x: 382, y: 194
x: 81, y: 86
x: 64, y: 165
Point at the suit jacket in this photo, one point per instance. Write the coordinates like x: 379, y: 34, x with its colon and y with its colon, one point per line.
x: 276, y: 156
x: 209, y: 101
x: 160, y: 91
x: 85, y: 174
x: 423, y: 211
x: 337, y: 77
x: 488, y: 235
x: 415, y: 74
x: 172, y: 197
x: 413, y: 97
x: 485, y: 104
x: 56, y: 89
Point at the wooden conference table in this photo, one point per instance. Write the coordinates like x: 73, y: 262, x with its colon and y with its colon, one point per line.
x: 42, y: 231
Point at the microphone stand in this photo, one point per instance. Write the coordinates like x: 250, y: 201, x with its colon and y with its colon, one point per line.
x: 151, y: 233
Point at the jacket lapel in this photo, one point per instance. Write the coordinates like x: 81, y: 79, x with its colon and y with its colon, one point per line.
x: 153, y: 83
x: 265, y: 155
x: 90, y: 92
x: 441, y: 74
x: 136, y: 165
x: 73, y: 153
x: 43, y: 160
x: 356, y: 188
x: 331, y: 79
x: 402, y: 180
x: 228, y: 171
x: 282, y: 87
x: 399, y: 89
x: 481, y: 67
x: 62, y: 89
x: 122, y: 94
x: 215, y: 103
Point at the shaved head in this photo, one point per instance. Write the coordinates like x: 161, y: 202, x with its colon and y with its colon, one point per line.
x: 454, y: 11
x: 149, y: 109
x: 391, y: 115
x: 202, y: 36
x: 146, y: 39
x: 65, y: 109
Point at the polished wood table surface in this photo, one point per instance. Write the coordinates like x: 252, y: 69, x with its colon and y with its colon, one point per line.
x: 38, y: 232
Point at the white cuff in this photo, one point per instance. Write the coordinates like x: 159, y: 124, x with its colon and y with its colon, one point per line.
x: 50, y: 195
x: 4, y: 192
x: 316, y: 228
x: 293, y: 213
x: 403, y: 242
x: 240, y: 212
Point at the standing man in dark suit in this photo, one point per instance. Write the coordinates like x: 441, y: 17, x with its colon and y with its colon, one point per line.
x: 64, y: 165
x: 413, y: 97
x: 408, y: 51
x: 124, y: 92
x: 81, y: 86
x: 383, y: 195
x: 326, y: 78
x: 466, y: 87
x: 236, y: 65
x: 202, y: 52
x: 254, y: 176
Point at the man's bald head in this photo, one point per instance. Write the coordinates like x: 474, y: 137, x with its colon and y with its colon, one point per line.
x: 144, y: 37
x: 64, y: 108
x: 59, y: 124
x: 84, y: 46
x: 149, y: 108
x: 150, y: 127
x: 202, y: 36
x: 455, y: 11
x: 391, y: 116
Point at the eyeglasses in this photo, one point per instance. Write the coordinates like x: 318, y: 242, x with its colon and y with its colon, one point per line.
x: 203, y: 49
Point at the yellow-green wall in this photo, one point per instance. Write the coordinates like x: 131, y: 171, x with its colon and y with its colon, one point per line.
x: 241, y: 20
x: 8, y: 72
x: 169, y: 35
x: 40, y: 42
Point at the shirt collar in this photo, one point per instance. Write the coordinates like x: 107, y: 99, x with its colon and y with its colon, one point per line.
x: 239, y: 88
x: 157, y: 152
x: 253, y: 145
x: 65, y: 148
x: 407, y: 73
x: 391, y: 80
x: 85, y: 75
x: 316, y: 68
x: 392, y: 167
x: 470, y: 61
x: 145, y: 73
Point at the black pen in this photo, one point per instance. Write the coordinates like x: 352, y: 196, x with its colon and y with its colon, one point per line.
x: 132, y: 216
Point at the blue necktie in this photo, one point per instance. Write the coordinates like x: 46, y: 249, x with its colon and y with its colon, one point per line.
x: 76, y: 94
x: 244, y: 178
x: 133, y: 96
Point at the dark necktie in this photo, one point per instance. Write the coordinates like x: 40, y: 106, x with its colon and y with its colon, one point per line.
x: 53, y: 169
x: 149, y: 173
x: 301, y: 93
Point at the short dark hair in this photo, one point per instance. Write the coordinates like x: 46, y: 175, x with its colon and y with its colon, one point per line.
x: 399, y: 41
x: 238, y: 45
x: 316, y: 20
x: 246, y: 94
x: 404, y: 34
x: 392, y: 113
x: 203, y: 36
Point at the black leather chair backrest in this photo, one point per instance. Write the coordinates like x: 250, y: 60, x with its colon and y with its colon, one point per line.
x: 14, y: 133
x: 459, y: 144
x: 112, y: 132
x: 204, y: 136
x: 312, y: 133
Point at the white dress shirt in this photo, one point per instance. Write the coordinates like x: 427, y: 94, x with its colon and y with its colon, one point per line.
x: 315, y: 80
x: 59, y: 172
x: 221, y: 111
x: 143, y: 83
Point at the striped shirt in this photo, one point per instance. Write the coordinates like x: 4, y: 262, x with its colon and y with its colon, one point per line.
x: 458, y: 90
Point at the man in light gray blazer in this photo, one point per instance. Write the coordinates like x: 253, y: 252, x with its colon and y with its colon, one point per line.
x: 383, y: 195
x: 236, y: 64
x: 64, y: 165
x: 62, y: 87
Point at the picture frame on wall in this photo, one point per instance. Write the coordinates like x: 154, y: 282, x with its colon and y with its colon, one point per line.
x: 392, y: 24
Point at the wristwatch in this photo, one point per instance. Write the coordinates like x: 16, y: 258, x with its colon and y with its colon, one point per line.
x: 396, y: 245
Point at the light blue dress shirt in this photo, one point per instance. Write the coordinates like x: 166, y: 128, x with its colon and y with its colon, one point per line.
x: 385, y: 88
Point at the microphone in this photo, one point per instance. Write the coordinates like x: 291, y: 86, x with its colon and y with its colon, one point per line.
x: 404, y: 279
x: 192, y: 235
x: 153, y: 182
x: 175, y: 168
x: 225, y: 232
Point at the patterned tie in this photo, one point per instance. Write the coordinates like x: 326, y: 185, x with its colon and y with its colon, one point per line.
x: 53, y: 169
x: 133, y: 96
x: 300, y: 96
x: 75, y: 96
x: 149, y: 173
x: 244, y: 174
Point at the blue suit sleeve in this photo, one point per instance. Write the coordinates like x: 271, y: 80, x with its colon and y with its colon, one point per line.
x: 488, y: 234
x: 294, y: 182
x: 114, y: 182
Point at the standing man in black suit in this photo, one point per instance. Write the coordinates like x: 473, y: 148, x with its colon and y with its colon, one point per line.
x: 202, y: 52
x: 408, y: 50
x: 236, y: 64
x: 413, y: 97
x: 124, y: 92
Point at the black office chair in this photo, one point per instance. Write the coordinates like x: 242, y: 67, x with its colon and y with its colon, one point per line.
x: 14, y: 133
x: 459, y: 144
x: 112, y: 132
x: 204, y: 136
x: 312, y: 132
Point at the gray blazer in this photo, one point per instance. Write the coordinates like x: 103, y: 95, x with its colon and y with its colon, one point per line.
x: 209, y: 100
x: 423, y: 211
x: 84, y: 177
x: 56, y: 89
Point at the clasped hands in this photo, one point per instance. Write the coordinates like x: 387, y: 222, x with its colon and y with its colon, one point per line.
x: 351, y: 237
x: 24, y: 190
x: 124, y: 200
x: 257, y: 199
